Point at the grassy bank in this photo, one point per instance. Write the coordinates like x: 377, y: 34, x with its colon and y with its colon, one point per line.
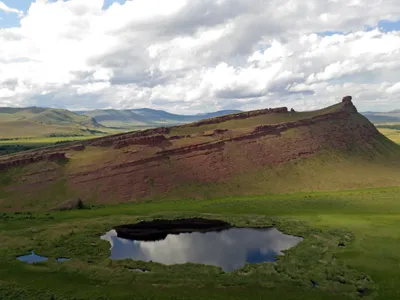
x: 366, y: 221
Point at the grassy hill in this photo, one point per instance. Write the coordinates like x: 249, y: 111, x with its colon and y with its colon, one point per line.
x: 36, y: 121
x: 145, y: 117
x: 34, y: 127
x: 388, y: 123
x: 391, y: 131
x: 265, y: 151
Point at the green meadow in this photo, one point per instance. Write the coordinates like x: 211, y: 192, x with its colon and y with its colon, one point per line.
x: 391, y: 132
x: 9, y: 146
x: 366, y: 221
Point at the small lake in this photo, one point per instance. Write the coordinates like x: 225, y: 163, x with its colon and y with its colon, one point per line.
x: 229, y: 249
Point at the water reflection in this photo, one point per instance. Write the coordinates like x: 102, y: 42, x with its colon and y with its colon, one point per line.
x: 229, y: 249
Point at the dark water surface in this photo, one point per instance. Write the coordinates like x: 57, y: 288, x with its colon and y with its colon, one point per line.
x: 62, y: 259
x: 229, y: 249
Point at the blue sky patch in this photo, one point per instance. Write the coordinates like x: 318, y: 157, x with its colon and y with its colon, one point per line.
x: 388, y: 26
x: 20, y: 4
x: 108, y: 3
x: 8, y: 20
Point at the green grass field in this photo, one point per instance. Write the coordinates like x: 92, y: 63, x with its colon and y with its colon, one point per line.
x: 8, y: 146
x: 12, y: 144
x: 367, y: 221
x: 391, y: 131
x: 30, y: 128
x: 44, y: 140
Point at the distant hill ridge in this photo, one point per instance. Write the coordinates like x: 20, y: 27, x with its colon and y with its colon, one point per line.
x: 146, y: 117
x: 48, y: 115
x: 38, y: 121
x: 383, y: 117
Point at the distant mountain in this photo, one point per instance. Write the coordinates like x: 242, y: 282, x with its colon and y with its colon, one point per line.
x: 383, y: 117
x: 219, y: 113
x: 146, y: 117
x: 38, y: 121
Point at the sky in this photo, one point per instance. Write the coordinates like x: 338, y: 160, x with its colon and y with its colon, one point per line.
x: 194, y: 56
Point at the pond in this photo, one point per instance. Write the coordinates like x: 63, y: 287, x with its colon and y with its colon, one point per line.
x: 34, y: 258
x: 220, y: 245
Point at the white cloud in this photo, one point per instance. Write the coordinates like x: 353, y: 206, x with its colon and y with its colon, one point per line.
x: 191, y: 56
x: 7, y: 9
x: 394, y: 89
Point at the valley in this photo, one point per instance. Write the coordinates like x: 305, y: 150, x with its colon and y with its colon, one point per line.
x: 329, y: 178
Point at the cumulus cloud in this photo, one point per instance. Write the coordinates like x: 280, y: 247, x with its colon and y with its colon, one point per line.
x: 191, y: 56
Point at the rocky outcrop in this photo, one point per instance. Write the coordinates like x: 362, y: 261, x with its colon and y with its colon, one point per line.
x: 347, y: 99
x: 242, y: 115
x: 114, y: 139
x: 275, y: 128
x: 216, y: 132
x: 347, y: 104
x: 261, y: 130
x: 31, y: 158
x: 176, y: 137
x: 125, y: 139
x: 190, y: 148
x: 146, y: 140
x: 78, y: 147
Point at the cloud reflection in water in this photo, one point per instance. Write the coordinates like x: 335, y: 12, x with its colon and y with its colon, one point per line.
x: 229, y: 249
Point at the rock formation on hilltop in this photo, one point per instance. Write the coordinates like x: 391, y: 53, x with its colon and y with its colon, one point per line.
x: 348, y: 105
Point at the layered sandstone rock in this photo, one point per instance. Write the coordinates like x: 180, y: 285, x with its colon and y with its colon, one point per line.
x: 31, y: 158
x: 238, y: 116
x: 114, y: 139
x: 146, y: 140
